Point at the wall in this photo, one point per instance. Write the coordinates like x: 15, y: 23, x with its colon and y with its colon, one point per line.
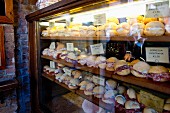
x: 17, y: 60
x: 8, y: 100
x: 22, y: 54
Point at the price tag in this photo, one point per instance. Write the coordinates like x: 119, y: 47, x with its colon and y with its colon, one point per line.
x: 152, y: 101
x: 157, y: 54
x: 68, y: 71
x: 70, y: 47
x: 100, y: 19
x: 156, y: 10
x: 99, y: 80
x: 97, y: 49
x: 52, y: 45
x: 52, y: 64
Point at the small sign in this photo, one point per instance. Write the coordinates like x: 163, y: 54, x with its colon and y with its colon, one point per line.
x: 52, y: 64
x: 151, y: 101
x: 100, y: 19
x: 156, y: 10
x: 70, y: 47
x: 99, y: 80
x: 68, y: 72
x: 97, y: 49
x: 52, y: 45
x: 157, y: 54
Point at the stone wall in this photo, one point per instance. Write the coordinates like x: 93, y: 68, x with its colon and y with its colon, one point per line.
x: 8, y: 100
x: 22, y: 54
x: 17, y: 60
x: 8, y: 104
x: 9, y: 72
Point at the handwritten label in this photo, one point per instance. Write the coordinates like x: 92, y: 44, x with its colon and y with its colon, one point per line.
x: 52, y: 45
x: 151, y: 101
x: 99, y: 80
x: 156, y: 10
x: 70, y: 47
x: 52, y: 64
x: 157, y: 54
x: 97, y: 49
x: 100, y: 19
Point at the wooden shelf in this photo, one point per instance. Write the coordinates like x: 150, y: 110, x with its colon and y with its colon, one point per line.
x: 65, y: 86
x: 115, y: 38
x: 92, y: 99
x: 48, y: 77
x: 163, y: 87
x: 95, y: 100
x: 8, y: 85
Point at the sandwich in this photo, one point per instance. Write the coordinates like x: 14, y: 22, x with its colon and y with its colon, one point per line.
x: 110, y: 29
x: 121, y: 89
x: 89, y: 89
x: 111, y: 84
x: 132, y: 106
x: 45, y: 68
x: 109, y: 96
x: 140, y: 69
x: 91, y: 31
x: 83, y: 84
x: 121, y: 67
x: 137, y: 29
x: 57, y: 76
x: 74, y: 83
x: 81, y: 59
x: 154, y: 28
x: 110, y: 63
x: 91, y: 61
x: 167, y: 29
x: 131, y: 93
x: 100, y: 62
x: 123, y: 29
x: 149, y: 110
x: 98, y: 91
x: 45, y: 51
x: 159, y: 73
x: 71, y: 57
x: 100, y: 31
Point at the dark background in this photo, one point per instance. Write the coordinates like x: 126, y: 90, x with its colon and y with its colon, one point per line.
x: 2, y: 8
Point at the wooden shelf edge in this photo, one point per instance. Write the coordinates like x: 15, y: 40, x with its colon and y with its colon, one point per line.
x: 8, y: 85
x: 81, y: 93
x: 142, y: 82
x: 146, y: 83
x: 65, y: 86
x: 48, y: 77
x: 113, y: 38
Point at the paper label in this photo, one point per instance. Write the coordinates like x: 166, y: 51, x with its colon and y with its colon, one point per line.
x: 151, y: 101
x: 52, y: 64
x: 99, y: 80
x: 100, y: 19
x: 52, y: 45
x: 97, y: 49
x: 157, y: 54
x: 156, y: 10
x: 68, y: 72
x: 70, y: 47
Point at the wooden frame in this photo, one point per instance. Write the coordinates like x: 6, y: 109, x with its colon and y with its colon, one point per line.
x: 9, y: 17
x: 2, y: 50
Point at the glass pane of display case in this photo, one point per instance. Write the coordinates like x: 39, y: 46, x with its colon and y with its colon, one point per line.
x: 102, y: 57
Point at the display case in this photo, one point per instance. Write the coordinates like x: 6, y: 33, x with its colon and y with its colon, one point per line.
x: 107, y: 56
